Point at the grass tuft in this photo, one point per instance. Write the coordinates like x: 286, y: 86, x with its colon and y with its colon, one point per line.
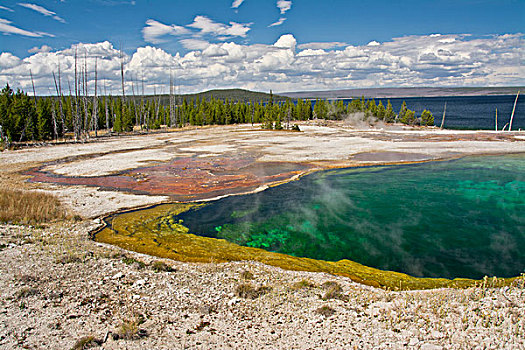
x: 25, y: 207
x: 303, y: 284
x: 325, y: 311
x: 86, y: 343
x: 247, y: 275
x: 248, y: 291
x: 159, y: 266
x: 26, y: 292
x: 130, y: 329
x: 333, y: 291
x: 132, y: 261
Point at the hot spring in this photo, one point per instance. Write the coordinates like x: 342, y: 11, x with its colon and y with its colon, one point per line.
x: 459, y: 218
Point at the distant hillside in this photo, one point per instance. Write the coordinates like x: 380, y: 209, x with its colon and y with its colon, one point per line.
x: 404, y: 92
x: 236, y: 95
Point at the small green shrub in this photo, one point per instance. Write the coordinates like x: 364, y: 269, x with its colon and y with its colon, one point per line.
x: 325, y: 311
x: 130, y: 329
x: 131, y: 261
x: 27, y: 292
x: 86, y: 343
x: 333, y: 291
x: 303, y: 284
x: 159, y: 266
x: 248, y: 291
x: 247, y: 275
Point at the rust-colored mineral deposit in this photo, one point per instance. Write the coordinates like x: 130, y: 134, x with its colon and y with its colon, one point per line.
x: 189, y: 178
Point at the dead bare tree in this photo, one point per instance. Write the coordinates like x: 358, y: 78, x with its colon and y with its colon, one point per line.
x: 134, y: 101
x: 106, y: 107
x: 513, y: 110
x: 94, y: 118
x: 76, y: 119
x: 172, y: 102
x: 59, y: 96
x: 85, y: 98
x: 143, y: 106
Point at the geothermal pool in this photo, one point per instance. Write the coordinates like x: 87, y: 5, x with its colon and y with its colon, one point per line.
x: 458, y: 218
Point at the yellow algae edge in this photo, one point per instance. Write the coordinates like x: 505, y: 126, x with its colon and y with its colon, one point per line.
x: 142, y: 231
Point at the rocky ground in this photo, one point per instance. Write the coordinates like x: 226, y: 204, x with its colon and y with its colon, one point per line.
x: 60, y: 290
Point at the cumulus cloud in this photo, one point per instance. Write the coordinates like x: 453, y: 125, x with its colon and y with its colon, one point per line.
x: 43, y: 48
x: 8, y: 60
x: 237, y: 3
x: 284, y: 6
x: 286, y: 41
x: 445, y: 60
x: 154, y: 30
x: 43, y: 11
x: 7, y: 28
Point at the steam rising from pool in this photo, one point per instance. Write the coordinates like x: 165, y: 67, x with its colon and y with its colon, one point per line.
x: 462, y: 218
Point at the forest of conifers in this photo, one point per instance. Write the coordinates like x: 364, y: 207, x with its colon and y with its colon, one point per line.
x: 26, y: 118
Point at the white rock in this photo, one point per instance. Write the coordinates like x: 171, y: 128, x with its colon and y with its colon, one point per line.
x: 117, y: 276
x: 139, y: 283
x: 413, y: 341
x: 234, y: 301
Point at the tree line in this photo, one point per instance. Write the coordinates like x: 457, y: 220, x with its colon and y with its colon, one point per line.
x: 25, y: 118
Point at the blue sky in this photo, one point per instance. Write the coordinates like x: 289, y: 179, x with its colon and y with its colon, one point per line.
x: 297, y: 44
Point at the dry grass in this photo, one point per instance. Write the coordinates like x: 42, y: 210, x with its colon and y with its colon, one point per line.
x: 86, y: 343
x: 24, y: 207
x: 248, y: 291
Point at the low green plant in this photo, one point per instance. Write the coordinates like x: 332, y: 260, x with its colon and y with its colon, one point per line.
x: 303, y: 284
x: 130, y: 328
x: 247, y: 275
x: 325, y: 311
x: 26, y: 292
x: 86, y: 343
x: 249, y: 291
x: 159, y: 266
x: 333, y: 291
x: 132, y: 261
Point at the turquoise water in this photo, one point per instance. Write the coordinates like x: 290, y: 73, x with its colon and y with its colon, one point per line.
x: 460, y: 218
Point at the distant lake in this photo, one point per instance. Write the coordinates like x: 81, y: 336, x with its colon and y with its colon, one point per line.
x: 466, y: 112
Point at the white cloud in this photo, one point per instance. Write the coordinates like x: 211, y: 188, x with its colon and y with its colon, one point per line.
x: 214, y: 51
x: 373, y: 43
x: 37, y: 49
x: 323, y: 45
x: 237, y: 3
x: 278, y: 23
x: 8, y: 60
x: 154, y: 30
x: 6, y: 9
x: 208, y: 26
x: 7, y: 28
x: 194, y: 44
x: 42, y: 11
x: 287, y: 66
x: 284, y: 6
x: 286, y: 41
